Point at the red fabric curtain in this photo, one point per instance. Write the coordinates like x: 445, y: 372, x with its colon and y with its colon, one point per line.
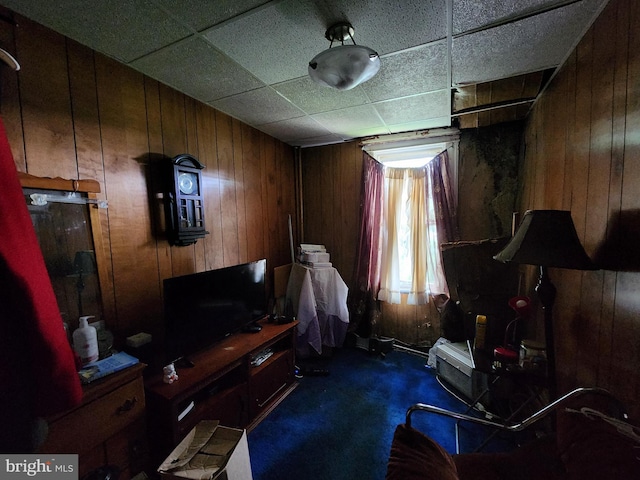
x: 367, y: 268
x: 443, y: 198
x: 37, y: 366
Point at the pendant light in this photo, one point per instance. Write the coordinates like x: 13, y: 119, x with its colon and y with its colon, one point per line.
x: 345, y: 66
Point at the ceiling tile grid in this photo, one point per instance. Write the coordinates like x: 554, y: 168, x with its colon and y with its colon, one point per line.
x: 313, y: 98
x: 300, y: 127
x: 249, y: 58
x: 258, y: 106
x: 196, y: 68
x: 524, y: 46
x: 413, y: 71
x: 472, y: 14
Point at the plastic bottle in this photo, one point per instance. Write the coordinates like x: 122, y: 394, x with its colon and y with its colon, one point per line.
x: 85, y: 341
x: 481, y: 331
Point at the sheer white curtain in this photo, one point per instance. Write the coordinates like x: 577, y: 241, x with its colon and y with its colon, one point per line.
x: 411, y: 261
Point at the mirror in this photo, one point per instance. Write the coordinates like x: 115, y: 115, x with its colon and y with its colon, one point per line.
x: 62, y: 212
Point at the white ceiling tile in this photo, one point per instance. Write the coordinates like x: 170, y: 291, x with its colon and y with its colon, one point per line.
x: 389, y: 26
x: 197, y: 69
x: 284, y: 52
x: 528, y: 45
x: 295, y: 128
x: 258, y: 107
x: 279, y: 55
x: 410, y: 109
x: 313, y: 98
x: 439, y: 122
x: 411, y: 72
x: 226, y: 52
x: 348, y: 120
x: 366, y: 132
x: 471, y: 14
x: 200, y: 15
x: 121, y: 29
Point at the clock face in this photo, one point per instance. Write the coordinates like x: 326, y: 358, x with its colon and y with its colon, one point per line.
x: 188, y: 183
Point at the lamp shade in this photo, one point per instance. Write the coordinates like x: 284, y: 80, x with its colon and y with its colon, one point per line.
x: 344, y: 67
x: 547, y: 238
x: 84, y: 262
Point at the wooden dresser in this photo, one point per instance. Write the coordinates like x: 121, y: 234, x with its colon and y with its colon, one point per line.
x: 108, y: 427
x: 223, y: 385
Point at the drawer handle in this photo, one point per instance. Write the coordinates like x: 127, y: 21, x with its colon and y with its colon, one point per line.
x: 127, y: 405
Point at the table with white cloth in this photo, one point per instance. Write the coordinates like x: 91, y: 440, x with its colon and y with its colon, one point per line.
x: 319, y: 300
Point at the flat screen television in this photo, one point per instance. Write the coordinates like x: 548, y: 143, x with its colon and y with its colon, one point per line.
x: 203, y: 308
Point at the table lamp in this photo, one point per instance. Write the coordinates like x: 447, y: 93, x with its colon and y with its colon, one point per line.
x: 547, y: 238
x: 84, y: 264
x: 508, y: 352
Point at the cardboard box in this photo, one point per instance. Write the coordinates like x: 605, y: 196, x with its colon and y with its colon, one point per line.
x: 209, y: 452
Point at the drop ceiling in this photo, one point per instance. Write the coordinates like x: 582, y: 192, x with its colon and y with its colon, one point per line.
x: 444, y: 62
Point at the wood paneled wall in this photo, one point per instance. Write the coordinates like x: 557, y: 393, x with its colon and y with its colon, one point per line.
x: 331, y: 184
x: 73, y: 113
x: 582, y: 151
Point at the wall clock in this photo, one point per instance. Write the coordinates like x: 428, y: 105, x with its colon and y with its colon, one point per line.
x: 184, y: 207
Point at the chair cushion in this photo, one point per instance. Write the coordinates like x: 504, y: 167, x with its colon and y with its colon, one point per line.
x: 593, y: 448
x: 414, y: 456
x: 536, y: 460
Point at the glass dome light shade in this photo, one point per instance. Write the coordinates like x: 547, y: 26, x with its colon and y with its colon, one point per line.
x: 344, y: 67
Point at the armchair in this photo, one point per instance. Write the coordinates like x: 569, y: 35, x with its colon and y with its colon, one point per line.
x: 593, y: 439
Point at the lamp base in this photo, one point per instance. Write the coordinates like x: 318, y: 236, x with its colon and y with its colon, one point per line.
x: 505, y: 355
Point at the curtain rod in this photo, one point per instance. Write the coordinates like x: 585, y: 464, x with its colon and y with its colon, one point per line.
x: 418, y: 137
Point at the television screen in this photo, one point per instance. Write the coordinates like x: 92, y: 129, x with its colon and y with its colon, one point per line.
x: 203, y: 308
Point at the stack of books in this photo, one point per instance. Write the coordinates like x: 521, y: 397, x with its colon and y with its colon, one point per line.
x: 102, y: 368
x: 314, y: 255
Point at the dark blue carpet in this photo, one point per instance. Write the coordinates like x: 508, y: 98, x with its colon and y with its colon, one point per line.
x: 341, y: 426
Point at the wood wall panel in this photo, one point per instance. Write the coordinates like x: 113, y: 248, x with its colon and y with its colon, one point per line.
x: 174, y: 114
x: 226, y: 172
x: 123, y: 120
x: 331, y: 184
x: 9, y: 96
x: 270, y: 207
x: 84, y: 110
x: 596, y: 315
x: 241, y: 190
x: 47, y: 137
x: 87, y: 116
x: 629, y: 282
x: 208, y: 155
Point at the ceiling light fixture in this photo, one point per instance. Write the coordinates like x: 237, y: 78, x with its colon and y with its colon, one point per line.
x: 345, y: 66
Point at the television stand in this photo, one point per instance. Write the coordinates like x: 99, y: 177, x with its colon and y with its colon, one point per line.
x: 183, y: 362
x: 223, y: 385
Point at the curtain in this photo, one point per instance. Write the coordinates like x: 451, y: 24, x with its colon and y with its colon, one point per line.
x: 367, y: 267
x: 404, y: 236
x: 444, y: 198
x: 418, y: 215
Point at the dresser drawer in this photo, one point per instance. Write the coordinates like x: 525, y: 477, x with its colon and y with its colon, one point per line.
x: 94, y: 422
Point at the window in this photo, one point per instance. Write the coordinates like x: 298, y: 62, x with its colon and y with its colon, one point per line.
x: 410, y: 258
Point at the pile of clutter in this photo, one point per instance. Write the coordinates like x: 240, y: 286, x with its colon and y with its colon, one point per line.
x: 315, y: 256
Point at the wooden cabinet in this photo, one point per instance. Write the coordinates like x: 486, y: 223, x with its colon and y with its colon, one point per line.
x: 223, y: 385
x: 108, y: 427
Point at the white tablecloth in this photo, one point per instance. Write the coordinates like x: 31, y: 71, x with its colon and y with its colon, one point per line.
x: 319, y: 300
